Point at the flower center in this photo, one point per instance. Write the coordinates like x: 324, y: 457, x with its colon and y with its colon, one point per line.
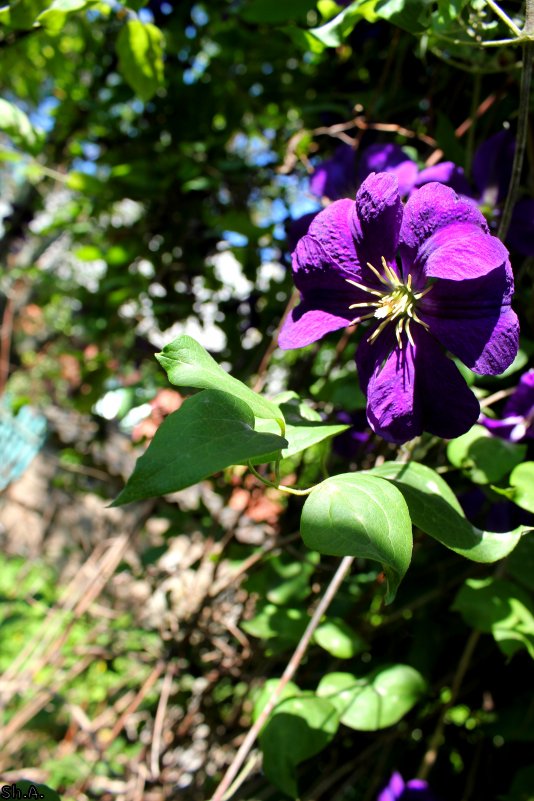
x: 395, y: 303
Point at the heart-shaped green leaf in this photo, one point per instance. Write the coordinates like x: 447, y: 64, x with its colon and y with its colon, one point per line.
x: 360, y: 515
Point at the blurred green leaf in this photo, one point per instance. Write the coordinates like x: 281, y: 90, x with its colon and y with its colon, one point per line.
x: 499, y: 607
x: 485, y: 459
x: 339, y: 639
x: 140, y: 51
x: 522, y: 482
x: 275, y: 13
x: 375, y: 701
x: 298, y: 729
x: 15, y: 123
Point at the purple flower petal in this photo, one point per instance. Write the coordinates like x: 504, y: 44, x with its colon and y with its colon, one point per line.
x: 387, y: 375
x: 392, y: 159
x: 487, y: 345
x: 462, y: 252
x: 449, y: 408
x: 492, y: 167
x: 375, y: 220
x: 522, y: 401
x: 336, y: 177
x: 394, y: 789
x: 447, y: 172
x: 322, y: 262
x: 414, y: 389
x: 430, y: 209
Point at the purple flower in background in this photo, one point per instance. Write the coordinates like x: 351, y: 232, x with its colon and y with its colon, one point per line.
x: 335, y: 177
x: 450, y: 290
x: 399, y: 790
x: 517, y: 423
x: 492, y: 170
x: 388, y: 158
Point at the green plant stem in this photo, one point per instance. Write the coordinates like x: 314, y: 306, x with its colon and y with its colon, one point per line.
x: 220, y: 793
x: 522, y: 129
x: 281, y: 487
x: 504, y: 17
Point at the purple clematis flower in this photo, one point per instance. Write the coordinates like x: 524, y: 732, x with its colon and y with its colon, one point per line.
x: 335, y: 177
x: 517, y: 423
x: 430, y: 278
x: 399, y: 790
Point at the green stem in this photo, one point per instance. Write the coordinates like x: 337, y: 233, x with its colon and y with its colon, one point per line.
x: 522, y: 127
x: 504, y: 17
x: 280, y: 487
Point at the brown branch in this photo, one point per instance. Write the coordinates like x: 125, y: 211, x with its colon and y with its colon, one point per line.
x: 287, y: 675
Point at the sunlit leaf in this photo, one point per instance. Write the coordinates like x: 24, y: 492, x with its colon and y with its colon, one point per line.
x: 140, y: 51
x: 209, y: 432
x: 375, y: 701
x: 434, y: 509
x: 188, y: 364
x: 360, y: 515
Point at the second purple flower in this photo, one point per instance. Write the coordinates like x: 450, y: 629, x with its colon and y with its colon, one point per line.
x: 430, y: 278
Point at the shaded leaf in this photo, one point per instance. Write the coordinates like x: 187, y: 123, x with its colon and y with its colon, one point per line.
x: 298, y: 729
x: 499, y: 607
x: 434, y: 509
x: 484, y: 458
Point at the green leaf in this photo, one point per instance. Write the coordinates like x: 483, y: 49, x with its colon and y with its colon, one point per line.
x: 334, y: 32
x: 375, y: 701
x: 188, y: 364
x: 522, y: 482
x: 210, y: 431
x: 21, y: 14
x: 410, y: 15
x: 275, y: 13
x: 263, y: 696
x: 298, y: 729
x: 55, y: 16
x: 274, y: 622
x: 140, y: 51
x: 499, y: 607
x: 15, y: 123
x: 520, y: 564
x: 282, y: 579
x: 434, y: 509
x: 360, y: 515
x: 339, y: 639
x: 484, y: 458
x: 304, y: 427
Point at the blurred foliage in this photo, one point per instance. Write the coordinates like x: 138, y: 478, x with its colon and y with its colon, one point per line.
x: 153, y: 158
